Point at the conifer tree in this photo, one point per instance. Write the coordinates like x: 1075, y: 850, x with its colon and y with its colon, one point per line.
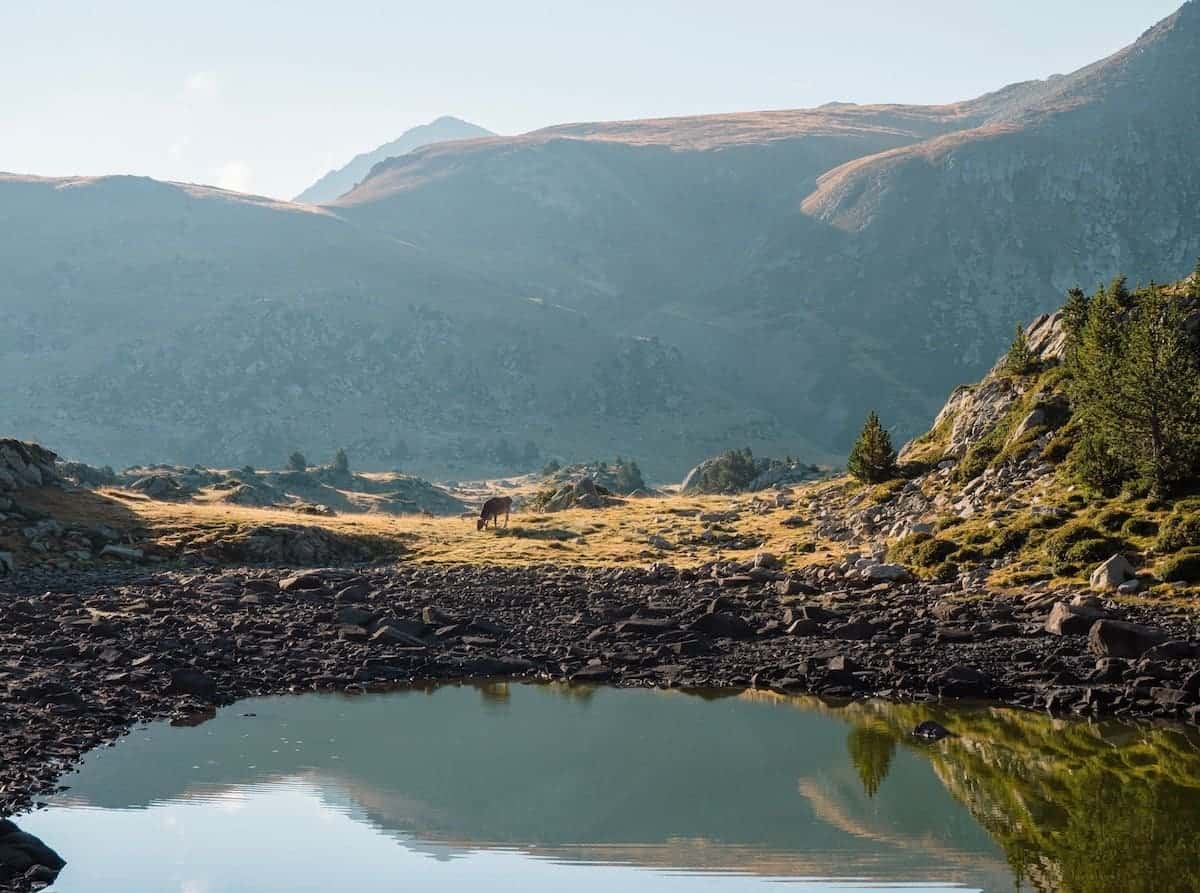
x: 341, y: 462
x: 1194, y: 289
x: 872, y: 459
x: 1074, y: 313
x: 1157, y: 389
x: 1020, y: 359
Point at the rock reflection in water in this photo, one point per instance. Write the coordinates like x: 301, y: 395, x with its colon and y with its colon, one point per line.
x: 758, y: 785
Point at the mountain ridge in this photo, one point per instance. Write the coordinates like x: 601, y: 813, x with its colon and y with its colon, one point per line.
x: 662, y: 290
x: 338, y: 181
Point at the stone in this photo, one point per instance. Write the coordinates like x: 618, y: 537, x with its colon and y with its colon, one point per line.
x: 1171, y: 697
x: 962, y: 681
x: 1116, y: 638
x: 352, y: 615
x: 648, y: 626
x: 1071, y: 620
x: 596, y: 673
x: 856, y: 631
x: 125, y: 553
x: 766, y: 560
x: 887, y: 572
x: 390, y: 635
x: 7, y: 564
x: 804, y: 628
x: 722, y: 625
x: 305, y: 582
x: 793, y: 586
x: 21, y: 853
x: 189, y: 681
x: 1174, y: 650
x: 931, y: 731
x: 1112, y: 573
x: 1110, y: 669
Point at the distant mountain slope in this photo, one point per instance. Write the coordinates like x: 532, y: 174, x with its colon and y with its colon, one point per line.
x: 663, y: 290
x: 338, y: 182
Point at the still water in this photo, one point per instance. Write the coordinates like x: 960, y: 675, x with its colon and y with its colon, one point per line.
x: 546, y: 788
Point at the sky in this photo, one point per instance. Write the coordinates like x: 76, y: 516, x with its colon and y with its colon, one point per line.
x: 265, y: 97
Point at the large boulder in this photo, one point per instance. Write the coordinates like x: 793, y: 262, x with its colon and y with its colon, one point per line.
x: 1071, y: 620
x: 1116, y: 638
x: 583, y: 494
x: 20, y: 851
x: 1112, y: 573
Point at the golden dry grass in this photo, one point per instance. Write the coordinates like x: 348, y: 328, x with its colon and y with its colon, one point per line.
x: 616, y: 536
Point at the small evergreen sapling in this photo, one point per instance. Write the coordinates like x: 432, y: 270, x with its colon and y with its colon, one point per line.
x: 1020, y: 360
x: 872, y: 459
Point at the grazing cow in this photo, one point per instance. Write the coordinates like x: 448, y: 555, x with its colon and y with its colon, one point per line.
x: 492, y: 510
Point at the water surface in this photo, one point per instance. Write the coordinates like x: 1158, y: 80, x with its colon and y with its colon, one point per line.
x: 521, y: 787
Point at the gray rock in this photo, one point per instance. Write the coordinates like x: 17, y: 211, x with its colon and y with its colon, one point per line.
x: 125, y: 553
x: 1071, y: 620
x: 887, y: 572
x: 1112, y: 573
x: 189, y: 681
x: 1116, y: 638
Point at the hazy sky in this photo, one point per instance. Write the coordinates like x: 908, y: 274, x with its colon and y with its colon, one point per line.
x: 266, y: 96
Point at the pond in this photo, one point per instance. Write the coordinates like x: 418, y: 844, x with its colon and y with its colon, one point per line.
x: 551, y: 788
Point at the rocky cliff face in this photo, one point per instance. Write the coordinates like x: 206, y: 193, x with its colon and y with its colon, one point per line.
x: 658, y: 289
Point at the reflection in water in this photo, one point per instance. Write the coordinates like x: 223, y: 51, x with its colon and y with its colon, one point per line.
x: 558, y: 787
x: 872, y: 746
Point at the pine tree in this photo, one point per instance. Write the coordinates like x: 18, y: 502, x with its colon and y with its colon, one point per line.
x: 341, y: 462
x: 1157, y: 390
x: 1135, y: 389
x: 872, y: 459
x: 1020, y: 359
x: 1194, y: 289
x: 297, y: 462
x: 1074, y: 315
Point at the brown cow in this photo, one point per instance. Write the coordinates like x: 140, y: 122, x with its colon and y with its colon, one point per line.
x: 491, y: 511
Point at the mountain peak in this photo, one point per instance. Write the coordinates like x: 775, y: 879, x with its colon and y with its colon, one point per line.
x: 444, y: 129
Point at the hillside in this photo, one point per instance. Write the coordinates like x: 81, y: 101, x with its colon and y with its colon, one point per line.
x: 342, y: 180
x: 663, y: 290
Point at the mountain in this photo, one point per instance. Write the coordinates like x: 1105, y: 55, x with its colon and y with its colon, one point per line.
x: 662, y: 289
x: 340, y: 181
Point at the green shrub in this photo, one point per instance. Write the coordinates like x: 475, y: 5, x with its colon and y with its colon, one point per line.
x: 922, y: 551
x: 1079, y: 544
x: 1139, y: 527
x: 1059, y: 447
x: 946, y: 572
x: 1111, y: 519
x: 1181, y: 568
x: 976, y: 461
x: 1007, y: 539
x: 1181, y: 530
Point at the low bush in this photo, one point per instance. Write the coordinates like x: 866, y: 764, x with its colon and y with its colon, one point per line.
x: 1140, y: 527
x: 1181, y: 568
x: 1181, y: 530
x: 1079, y: 544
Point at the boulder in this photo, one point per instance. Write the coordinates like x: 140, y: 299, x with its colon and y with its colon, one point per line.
x: 931, y: 731
x: 886, y: 572
x: 190, y: 681
x: 125, y: 553
x: 1116, y: 638
x: 1112, y: 573
x: 21, y: 853
x: 721, y: 625
x: 1071, y: 620
x: 961, y: 681
x: 7, y: 564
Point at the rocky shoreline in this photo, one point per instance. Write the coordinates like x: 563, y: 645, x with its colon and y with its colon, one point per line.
x: 88, y: 655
